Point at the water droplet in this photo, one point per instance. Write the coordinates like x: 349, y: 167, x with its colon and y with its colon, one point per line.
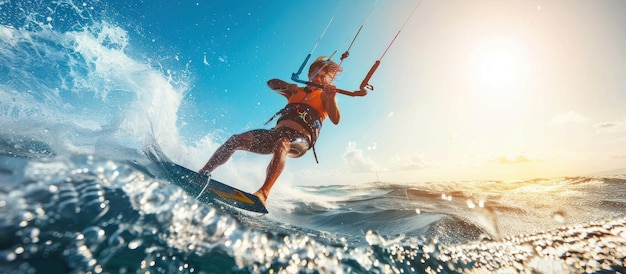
x: 93, y: 235
x: 373, y: 238
x: 19, y: 250
x: 559, y: 216
x: 7, y: 256
x: 470, y: 204
x: 134, y: 244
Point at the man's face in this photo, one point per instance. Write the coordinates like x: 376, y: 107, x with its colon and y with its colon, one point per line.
x: 322, y: 77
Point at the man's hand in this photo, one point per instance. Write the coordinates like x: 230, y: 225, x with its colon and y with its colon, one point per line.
x: 329, y: 90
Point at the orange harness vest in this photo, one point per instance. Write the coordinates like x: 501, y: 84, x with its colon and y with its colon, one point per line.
x: 305, y: 112
x: 313, y: 99
x: 306, y: 109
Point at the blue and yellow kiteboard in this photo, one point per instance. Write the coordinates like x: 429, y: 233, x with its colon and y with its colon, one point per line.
x: 201, y: 186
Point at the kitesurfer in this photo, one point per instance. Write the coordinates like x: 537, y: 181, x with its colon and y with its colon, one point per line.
x: 297, y: 128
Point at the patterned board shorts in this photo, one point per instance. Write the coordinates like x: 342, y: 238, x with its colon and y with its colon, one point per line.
x: 265, y: 140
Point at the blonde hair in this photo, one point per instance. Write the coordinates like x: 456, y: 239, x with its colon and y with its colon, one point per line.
x: 325, y: 64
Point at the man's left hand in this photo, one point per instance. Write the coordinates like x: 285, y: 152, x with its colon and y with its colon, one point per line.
x: 330, y: 90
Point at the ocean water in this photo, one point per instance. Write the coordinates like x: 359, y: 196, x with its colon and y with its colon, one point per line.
x: 87, y: 214
x: 78, y: 104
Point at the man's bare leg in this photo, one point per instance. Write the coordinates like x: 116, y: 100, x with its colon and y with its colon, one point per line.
x: 223, y: 153
x: 274, y: 169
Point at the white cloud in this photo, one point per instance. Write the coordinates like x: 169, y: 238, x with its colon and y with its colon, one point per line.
x: 513, y: 159
x: 372, y: 146
x: 410, y: 162
x: 357, y: 161
x: 389, y: 115
x: 611, y: 127
x: 569, y: 117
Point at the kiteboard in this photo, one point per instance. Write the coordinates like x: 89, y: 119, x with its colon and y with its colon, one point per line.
x: 202, y: 187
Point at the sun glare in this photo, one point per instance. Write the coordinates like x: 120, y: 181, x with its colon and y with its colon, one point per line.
x: 498, y: 70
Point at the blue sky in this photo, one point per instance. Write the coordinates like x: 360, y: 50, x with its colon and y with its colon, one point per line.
x: 470, y: 89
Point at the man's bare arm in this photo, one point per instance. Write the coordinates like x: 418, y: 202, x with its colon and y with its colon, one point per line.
x: 281, y: 87
x: 330, y: 103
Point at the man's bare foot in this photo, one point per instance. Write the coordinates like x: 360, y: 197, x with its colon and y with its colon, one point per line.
x: 262, y: 196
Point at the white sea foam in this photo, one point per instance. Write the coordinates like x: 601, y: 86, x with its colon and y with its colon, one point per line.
x: 86, y: 80
x: 85, y: 92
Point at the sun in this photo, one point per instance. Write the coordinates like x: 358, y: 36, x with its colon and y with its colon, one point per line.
x: 497, y: 71
x: 498, y: 68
